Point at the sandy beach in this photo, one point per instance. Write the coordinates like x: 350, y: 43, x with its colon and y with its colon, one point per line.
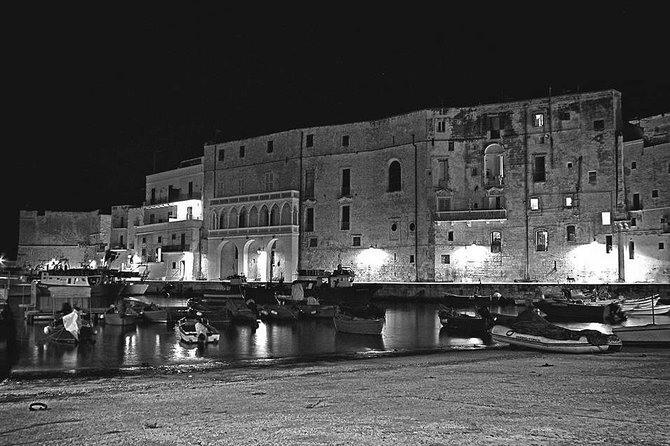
x: 496, y: 397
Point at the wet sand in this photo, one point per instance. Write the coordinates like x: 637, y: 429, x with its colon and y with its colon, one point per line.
x: 481, y: 397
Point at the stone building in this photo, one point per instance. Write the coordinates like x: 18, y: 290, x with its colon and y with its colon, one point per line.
x: 167, y: 238
x: 646, y: 167
x: 521, y: 191
x: 49, y: 239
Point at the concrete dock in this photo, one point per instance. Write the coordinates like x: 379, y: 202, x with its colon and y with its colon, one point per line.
x: 480, y: 397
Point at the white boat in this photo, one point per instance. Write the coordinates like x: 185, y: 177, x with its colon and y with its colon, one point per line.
x: 507, y: 335
x: 629, y: 304
x: 644, y: 310
x: 134, y: 288
x: 190, y: 333
x: 77, y: 283
x: 358, y: 325
x: 650, y: 334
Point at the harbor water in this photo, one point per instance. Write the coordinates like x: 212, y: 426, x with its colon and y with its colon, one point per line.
x: 410, y: 327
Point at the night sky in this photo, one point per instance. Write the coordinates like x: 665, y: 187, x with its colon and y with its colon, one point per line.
x: 99, y: 97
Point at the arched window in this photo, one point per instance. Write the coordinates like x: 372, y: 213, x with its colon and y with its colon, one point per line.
x: 213, y: 221
x: 223, y: 222
x: 493, y: 165
x: 263, y: 218
x: 242, y: 218
x: 395, y: 177
x: 286, y: 215
x: 232, y: 219
x: 274, y: 216
x: 253, y: 217
x: 496, y: 241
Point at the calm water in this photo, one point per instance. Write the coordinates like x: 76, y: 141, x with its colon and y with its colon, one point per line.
x: 409, y: 327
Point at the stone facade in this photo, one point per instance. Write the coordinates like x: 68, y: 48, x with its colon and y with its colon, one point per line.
x: 72, y: 239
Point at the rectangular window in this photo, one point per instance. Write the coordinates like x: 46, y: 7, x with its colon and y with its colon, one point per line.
x: 271, y: 146
x: 593, y: 177
x: 605, y: 216
x: 441, y: 126
x: 446, y: 259
x: 538, y: 120
x: 494, y: 126
x: 450, y: 236
x: 240, y: 186
x: 599, y: 124
x: 153, y: 195
x: 631, y: 250
x: 496, y: 241
x: 309, y: 141
x: 356, y: 240
x: 269, y: 181
x: 637, y: 204
x: 608, y: 244
x: 443, y: 204
x: 221, y: 154
x: 539, y: 173
x: 661, y: 245
x: 152, y: 218
x: 241, y: 151
x: 309, y: 220
x: 160, y: 239
x: 633, y: 165
x: 219, y: 189
x: 567, y: 201
x: 345, y: 190
x: 313, y: 242
x: 121, y: 240
x: 474, y: 172
x: 633, y: 221
x: 174, y: 265
x: 541, y: 241
x: 344, y: 218
x: 534, y: 204
x: 654, y: 193
x: 564, y: 115
x: 144, y: 239
x: 411, y: 258
x: 190, y: 189
x: 570, y: 233
x: 452, y: 144
x: 345, y: 140
x: 443, y: 172
x: 174, y: 236
x: 309, y: 184
x: 189, y: 213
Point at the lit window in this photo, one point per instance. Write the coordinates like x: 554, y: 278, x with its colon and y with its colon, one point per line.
x: 605, y: 218
x: 538, y: 120
x: 534, y: 204
x: 570, y: 233
x: 541, y: 238
x: 568, y: 201
x: 496, y: 241
x: 446, y: 259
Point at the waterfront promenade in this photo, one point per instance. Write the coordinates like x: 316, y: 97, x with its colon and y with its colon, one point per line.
x: 476, y: 397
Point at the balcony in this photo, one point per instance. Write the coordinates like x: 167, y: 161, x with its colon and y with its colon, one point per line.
x: 471, y: 215
x: 186, y: 247
x: 266, y: 196
x: 173, y: 197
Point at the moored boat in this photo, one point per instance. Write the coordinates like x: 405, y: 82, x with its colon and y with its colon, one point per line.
x: 358, y: 324
x: 277, y: 312
x: 588, y: 312
x: 644, y: 310
x: 530, y: 330
x: 196, y: 330
x: 650, y: 334
x: 149, y: 312
x: 463, y: 322
x: 629, y: 304
x: 70, y: 329
x: 121, y: 316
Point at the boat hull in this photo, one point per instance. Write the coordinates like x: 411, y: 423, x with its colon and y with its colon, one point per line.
x: 134, y: 289
x: 188, y: 334
x: 355, y: 325
x: 657, y: 310
x: 650, y: 334
x: 506, y: 335
x: 609, y: 313
x: 277, y: 313
x: 316, y: 311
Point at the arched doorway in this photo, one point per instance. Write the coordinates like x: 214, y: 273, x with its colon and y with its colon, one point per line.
x: 228, y: 260
x: 493, y: 165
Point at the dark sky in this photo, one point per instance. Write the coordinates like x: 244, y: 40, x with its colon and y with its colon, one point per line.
x: 97, y: 96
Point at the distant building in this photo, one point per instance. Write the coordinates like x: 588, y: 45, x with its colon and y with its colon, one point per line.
x: 58, y: 239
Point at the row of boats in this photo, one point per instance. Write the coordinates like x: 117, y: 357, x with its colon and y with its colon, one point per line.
x: 531, y: 329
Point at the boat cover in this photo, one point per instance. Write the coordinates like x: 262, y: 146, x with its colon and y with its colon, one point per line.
x: 72, y: 323
x: 531, y: 323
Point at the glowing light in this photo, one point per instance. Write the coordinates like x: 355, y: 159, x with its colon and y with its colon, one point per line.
x: 372, y: 257
x: 262, y: 265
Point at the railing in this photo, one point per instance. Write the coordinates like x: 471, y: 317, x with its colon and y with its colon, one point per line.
x: 474, y: 214
x: 174, y: 197
x: 259, y: 230
x: 255, y: 197
x: 176, y: 248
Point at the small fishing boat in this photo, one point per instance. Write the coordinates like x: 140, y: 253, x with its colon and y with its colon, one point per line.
x: 587, y: 312
x: 121, y: 316
x: 629, y: 304
x: 463, y: 321
x: 214, y: 310
x: 645, y: 310
x: 150, y: 312
x: 530, y: 330
x: 70, y: 329
x: 193, y: 331
x: 650, y: 334
x: 347, y: 323
x: 277, y: 312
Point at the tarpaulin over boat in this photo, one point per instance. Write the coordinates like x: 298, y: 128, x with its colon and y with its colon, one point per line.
x: 529, y: 322
x: 72, y: 323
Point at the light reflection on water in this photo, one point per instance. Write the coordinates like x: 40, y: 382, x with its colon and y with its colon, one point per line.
x: 409, y: 326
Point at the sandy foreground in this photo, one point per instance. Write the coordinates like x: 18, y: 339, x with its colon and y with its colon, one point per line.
x: 496, y: 397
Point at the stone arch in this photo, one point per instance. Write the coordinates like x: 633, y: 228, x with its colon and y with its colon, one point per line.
x: 214, y: 221
x: 223, y: 220
x: 228, y: 259
x: 242, y: 218
x: 493, y: 165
